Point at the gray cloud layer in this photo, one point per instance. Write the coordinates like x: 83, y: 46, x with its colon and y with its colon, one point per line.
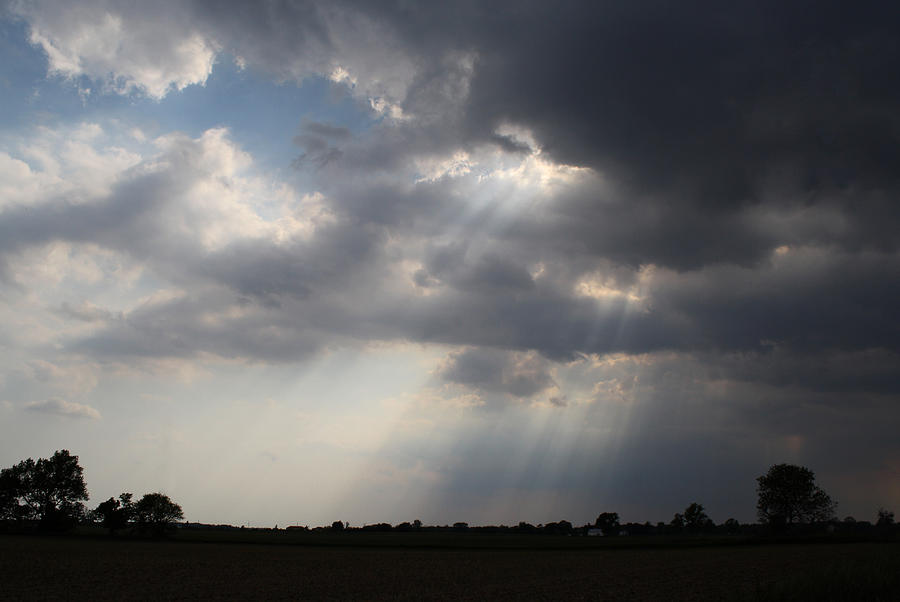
x: 720, y: 135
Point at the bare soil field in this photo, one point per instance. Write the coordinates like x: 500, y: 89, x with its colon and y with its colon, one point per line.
x: 88, y: 568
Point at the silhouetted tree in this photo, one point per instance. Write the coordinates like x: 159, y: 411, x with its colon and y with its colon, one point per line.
x: 562, y: 527
x: 885, y: 518
x: 788, y: 494
x: 116, y: 514
x: 50, y: 490
x: 14, y: 482
x: 156, y: 511
x: 524, y: 527
x: 695, y: 518
x: 677, y: 522
x: 732, y: 526
x: 337, y: 526
x: 608, y: 523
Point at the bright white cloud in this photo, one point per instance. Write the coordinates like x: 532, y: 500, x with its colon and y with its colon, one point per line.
x: 106, y: 222
x: 72, y: 163
x: 218, y: 195
x: 118, y: 46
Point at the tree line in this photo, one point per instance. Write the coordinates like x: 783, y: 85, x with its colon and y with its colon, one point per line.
x: 787, y: 497
x: 50, y: 492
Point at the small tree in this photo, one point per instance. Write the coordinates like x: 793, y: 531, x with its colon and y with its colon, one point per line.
x: 608, y: 523
x: 732, y: 526
x: 116, y: 514
x: 788, y: 494
x: 885, y: 518
x: 156, y: 511
x: 695, y: 518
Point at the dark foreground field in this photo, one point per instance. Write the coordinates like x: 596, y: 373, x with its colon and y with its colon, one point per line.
x: 88, y: 568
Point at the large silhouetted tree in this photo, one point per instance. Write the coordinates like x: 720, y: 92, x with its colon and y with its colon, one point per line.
x: 788, y: 494
x: 156, y: 511
x: 51, y: 490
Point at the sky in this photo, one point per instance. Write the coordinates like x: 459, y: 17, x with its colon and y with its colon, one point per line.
x: 292, y: 262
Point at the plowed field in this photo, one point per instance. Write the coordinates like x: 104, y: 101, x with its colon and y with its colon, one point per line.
x: 35, y: 567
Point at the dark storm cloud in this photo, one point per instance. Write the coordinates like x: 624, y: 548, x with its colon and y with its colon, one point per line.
x: 698, y: 112
x: 296, y: 269
x: 187, y: 326
x: 486, y: 274
x: 519, y: 375
x: 866, y: 372
x: 813, y: 301
x: 702, y: 100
